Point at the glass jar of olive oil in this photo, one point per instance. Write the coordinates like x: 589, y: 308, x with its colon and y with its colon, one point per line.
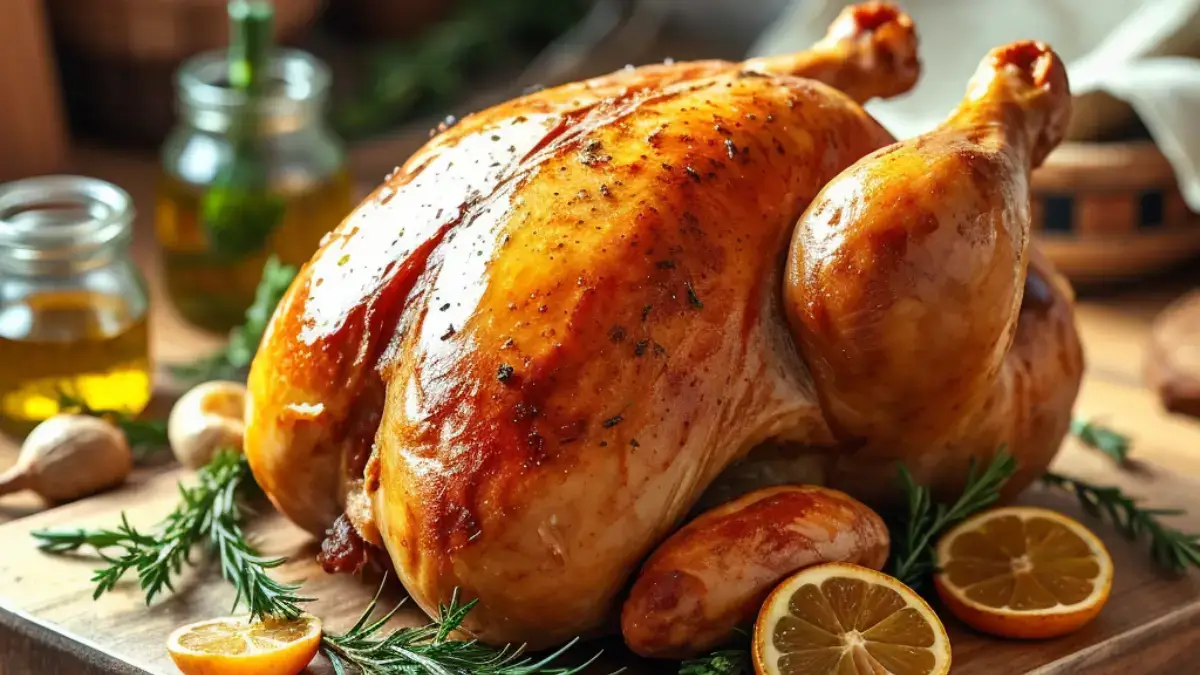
x: 72, y: 304
x: 245, y: 179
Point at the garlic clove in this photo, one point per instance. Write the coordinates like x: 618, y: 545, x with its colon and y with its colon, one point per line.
x: 70, y: 456
x: 208, y: 417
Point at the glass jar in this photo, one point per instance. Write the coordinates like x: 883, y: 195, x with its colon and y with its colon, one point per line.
x: 72, y: 304
x: 211, y: 272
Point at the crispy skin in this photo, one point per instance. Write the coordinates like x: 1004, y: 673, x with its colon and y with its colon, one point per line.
x: 630, y: 284
x: 713, y: 574
x: 519, y: 363
x: 617, y: 244
x: 315, y: 390
x: 905, y: 289
x: 626, y: 268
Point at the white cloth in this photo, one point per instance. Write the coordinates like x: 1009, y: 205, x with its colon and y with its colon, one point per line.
x: 1117, y: 46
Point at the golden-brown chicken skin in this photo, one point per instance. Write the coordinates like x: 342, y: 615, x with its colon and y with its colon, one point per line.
x: 554, y: 327
x: 597, y: 343
x: 932, y: 337
x: 316, y: 387
x: 523, y: 359
x: 712, y: 575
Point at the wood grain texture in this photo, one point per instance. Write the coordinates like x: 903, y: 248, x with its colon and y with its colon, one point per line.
x: 44, y: 599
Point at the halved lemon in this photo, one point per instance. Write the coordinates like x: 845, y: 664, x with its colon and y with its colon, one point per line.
x: 236, y: 646
x: 1023, y: 572
x: 843, y: 619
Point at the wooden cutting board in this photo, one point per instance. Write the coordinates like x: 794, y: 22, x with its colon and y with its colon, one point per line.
x: 50, y: 624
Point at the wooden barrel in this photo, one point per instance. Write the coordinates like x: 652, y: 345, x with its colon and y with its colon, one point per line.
x: 1109, y: 211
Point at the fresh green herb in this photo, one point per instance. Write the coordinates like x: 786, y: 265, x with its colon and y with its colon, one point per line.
x: 238, y: 210
x: 427, y: 72
x: 429, y: 649
x: 231, y: 362
x: 1105, y: 440
x: 210, y: 512
x: 143, y: 436
x: 1170, y: 548
x: 912, y: 559
x: 720, y: 662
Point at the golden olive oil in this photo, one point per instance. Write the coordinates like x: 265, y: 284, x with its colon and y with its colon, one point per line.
x: 83, y: 344
x: 212, y: 292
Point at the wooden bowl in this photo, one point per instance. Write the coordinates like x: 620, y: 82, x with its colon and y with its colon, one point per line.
x: 1111, y: 211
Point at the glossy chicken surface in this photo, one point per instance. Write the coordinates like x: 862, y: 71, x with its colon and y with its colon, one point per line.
x: 934, y: 333
x: 712, y: 575
x: 523, y: 360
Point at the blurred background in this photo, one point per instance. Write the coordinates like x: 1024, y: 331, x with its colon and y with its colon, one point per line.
x: 142, y: 94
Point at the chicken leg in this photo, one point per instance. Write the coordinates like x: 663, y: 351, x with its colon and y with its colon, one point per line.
x: 910, y: 289
x: 929, y: 341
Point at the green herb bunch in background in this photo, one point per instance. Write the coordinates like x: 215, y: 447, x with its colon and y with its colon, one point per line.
x: 426, y: 73
x: 238, y: 210
x: 231, y: 362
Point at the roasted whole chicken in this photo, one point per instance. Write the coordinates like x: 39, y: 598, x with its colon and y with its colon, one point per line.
x: 575, y: 321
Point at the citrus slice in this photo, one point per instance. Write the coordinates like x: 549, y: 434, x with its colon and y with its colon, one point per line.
x: 843, y: 619
x: 1023, y: 572
x: 237, y: 646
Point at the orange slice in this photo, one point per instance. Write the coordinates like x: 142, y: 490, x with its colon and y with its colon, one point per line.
x: 235, y: 646
x: 842, y: 619
x: 1023, y: 572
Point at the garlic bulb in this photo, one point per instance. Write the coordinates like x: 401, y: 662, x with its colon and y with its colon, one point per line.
x: 206, y: 418
x: 68, y: 457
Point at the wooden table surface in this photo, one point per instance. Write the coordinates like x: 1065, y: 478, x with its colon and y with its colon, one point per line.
x: 1114, y: 323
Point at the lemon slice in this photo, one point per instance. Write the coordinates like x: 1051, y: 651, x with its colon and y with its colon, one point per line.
x: 236, y: 646
x: 1023, y: 572
x: 843, y: 619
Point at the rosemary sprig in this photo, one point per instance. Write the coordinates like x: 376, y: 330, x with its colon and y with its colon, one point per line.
x: 429, y: 649
x: 208, y: 511
x: 231, y: 362
x: 143, y: 436
x: 1170, y: 548
x: 720, y: 662
x: 1100, y: 438
x: 912, y: 559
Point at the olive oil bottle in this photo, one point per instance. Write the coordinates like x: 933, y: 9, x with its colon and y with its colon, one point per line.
x: 213, y: 291
x: 79, y: 344
x: 73, y: 307
x: 250, y: 170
